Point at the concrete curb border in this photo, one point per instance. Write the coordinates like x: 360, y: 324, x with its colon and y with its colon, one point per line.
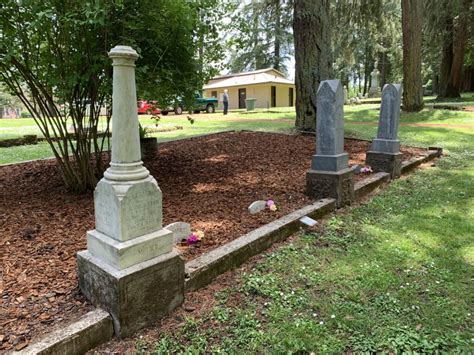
x: 91, y: 330
x: 362, y: 188
x: 433, y: 152
x: 202, y: 270
x: 96, y: 327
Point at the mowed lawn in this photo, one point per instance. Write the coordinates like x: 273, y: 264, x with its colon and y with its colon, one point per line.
x: 278, y: 119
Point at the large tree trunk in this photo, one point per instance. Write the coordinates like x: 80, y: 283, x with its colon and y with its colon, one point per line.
x: 412, y: 81
x: 276, y: 53
x: 459, y: 44
x: 311, y: 30
x: 446, y: 56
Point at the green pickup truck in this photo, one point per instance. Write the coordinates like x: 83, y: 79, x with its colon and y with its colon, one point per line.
x: 200, y: 104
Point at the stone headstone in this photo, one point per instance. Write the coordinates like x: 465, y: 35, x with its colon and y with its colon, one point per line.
x: 129, y: 267
x: 374, y: 90
x: 181, y: 230
x: 389, y: 120
x: 330, y: 175
x: 257, y: 206
x: 330, y: 155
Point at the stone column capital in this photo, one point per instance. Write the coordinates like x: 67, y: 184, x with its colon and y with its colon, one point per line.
x: 123, y: 55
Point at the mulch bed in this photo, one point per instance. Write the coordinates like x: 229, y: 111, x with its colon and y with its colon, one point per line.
x: 208, y: 181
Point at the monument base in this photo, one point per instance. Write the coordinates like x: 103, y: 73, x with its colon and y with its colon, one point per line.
x: 385, y: 162
x: 338, y: 185
x: 334, y: 163
x: 385, y: 146
x: 375, y: 92
x: 137, y: 296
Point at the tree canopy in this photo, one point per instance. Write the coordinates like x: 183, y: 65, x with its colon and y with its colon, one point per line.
x: 54, y: 58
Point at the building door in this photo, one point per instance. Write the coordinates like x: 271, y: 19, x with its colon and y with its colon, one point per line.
x: 290, y: 95
x: 242, y: 97
x: 274, y: 96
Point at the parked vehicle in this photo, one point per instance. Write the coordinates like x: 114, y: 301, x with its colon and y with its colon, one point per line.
x: 200, y: 104
x: 147, y: 108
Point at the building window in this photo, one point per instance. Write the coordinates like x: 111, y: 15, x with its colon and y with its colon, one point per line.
x: 214, y: 94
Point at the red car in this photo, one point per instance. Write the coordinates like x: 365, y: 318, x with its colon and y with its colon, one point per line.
x: 147, y: 108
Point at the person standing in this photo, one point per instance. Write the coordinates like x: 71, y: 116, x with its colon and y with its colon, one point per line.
x: 226, y: 101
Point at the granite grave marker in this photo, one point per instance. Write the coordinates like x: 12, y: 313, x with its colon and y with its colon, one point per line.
x: 330, y: 175
x: 384, y: 154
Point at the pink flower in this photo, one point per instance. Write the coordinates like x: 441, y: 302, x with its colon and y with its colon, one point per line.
x: 192, y: 239
x: 270, y: 203
x: 366, y: 169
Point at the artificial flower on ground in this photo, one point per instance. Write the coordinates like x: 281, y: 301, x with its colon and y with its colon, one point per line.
x: 271, y: 205
x: 366, y: 169
x: 195, y: 237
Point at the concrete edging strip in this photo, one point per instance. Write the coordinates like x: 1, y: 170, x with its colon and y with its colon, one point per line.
x: 409, y: 165
x: 202, y: 270
x: 370, y: 183
x: 93, y: 329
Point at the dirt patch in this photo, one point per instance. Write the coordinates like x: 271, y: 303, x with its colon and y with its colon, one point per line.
x: 207, y: 181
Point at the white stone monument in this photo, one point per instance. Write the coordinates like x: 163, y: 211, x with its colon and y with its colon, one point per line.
x: 374, y: 90
x: 129, y: 267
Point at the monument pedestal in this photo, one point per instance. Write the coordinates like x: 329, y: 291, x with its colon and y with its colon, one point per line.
x: 136, y: 296
x: 375, y: 92
x: 385, y: 162
x: 335, y: 184
x: 130, y: 268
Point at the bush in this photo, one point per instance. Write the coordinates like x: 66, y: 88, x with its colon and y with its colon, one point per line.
x: 25, y: 114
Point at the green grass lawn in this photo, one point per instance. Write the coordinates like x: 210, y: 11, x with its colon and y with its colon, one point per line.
x: 278, y: 119
x: 391, y: 275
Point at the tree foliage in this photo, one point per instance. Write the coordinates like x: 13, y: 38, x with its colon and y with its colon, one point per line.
x: 54, y: 58
x: 264, y: 35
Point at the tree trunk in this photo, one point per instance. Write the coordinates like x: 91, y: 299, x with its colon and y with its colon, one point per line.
x: 460, y: 36
x: 311, y: 30
x: 276, y: 53
x: 412, y: 31
x: 446, y: 58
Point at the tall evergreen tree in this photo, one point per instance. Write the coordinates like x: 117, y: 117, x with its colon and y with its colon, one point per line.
x: 264, y: 38
x: 412, y: 80
x: 312, y: 34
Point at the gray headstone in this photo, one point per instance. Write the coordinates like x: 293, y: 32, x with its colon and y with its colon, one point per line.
x: 181, y: 230
x: 330, y: 155
x: 257, y: 206
x: 389, y: 120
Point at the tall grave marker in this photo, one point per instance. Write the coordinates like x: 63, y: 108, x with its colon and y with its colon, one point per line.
x: 374, y: 90
x: 129, y: 268
x: 384, y: 154
x: 329, y: 175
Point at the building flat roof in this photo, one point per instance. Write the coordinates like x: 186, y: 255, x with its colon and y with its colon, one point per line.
x: 262, y: 76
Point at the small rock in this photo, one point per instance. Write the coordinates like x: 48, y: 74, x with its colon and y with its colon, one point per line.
x: 21, y: 346
x: 257, y: 206
x: 356, y: 168
x: 189, y: 308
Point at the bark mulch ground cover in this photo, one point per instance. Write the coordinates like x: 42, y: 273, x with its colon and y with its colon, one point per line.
x: 208, y: 181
